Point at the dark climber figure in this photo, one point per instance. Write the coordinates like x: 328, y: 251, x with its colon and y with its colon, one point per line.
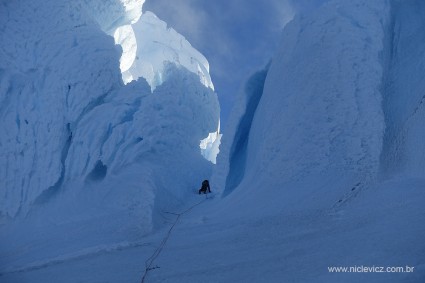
x: 205, y: 187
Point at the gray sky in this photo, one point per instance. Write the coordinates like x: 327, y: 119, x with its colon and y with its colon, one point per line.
x: 238, y: 37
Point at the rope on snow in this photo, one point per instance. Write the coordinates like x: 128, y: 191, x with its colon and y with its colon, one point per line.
x: 151, y: 259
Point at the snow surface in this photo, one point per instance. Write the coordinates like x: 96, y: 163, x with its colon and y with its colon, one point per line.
x: 324, y: 166
x: 208, y: 246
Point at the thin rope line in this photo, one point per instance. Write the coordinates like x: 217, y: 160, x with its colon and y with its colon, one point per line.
x: 151, y: 259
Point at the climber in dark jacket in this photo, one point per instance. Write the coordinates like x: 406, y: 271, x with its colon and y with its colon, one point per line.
x: 205, y: 187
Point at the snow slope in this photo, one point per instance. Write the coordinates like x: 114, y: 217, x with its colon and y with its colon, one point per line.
x: 284, y: 247
x: 299, y: 247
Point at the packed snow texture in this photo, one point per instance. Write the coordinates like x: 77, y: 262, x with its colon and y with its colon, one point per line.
x: 71, y: 131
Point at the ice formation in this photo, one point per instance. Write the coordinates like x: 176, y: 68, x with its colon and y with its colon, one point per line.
x: 323, y: 164
x: 157, y: 45
x: 340, y: 106
x: 68, y: 122
x: 148, y: 46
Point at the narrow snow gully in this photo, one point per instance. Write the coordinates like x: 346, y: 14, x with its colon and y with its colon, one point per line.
x: 237, y: 157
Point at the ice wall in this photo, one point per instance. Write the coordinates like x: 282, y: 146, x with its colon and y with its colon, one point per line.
x: 232, y: 160
x: 54, y: 69
x: 321, y: 107
x: 73, y: 137
x: 342, y: 108
x: 320, y: 119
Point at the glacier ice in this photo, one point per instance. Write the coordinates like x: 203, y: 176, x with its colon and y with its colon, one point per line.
x: 210, y: 146
x: 148, y: 46
x: 336, y: 138
x: 340, y: 111
x: 232, y: 160
x: 323, y: 163
x: 45, y: 93
x: 108, y: 14
x: 320, y: 111
x: 124, y: 36
x: 69, y: 123
x: 158, y: 44
x: 335, y: 121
